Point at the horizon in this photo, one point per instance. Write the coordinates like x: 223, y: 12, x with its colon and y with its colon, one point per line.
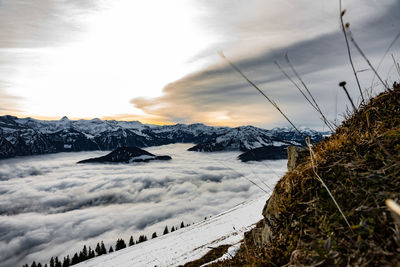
x: 163, y: 68
x: 287, y: 126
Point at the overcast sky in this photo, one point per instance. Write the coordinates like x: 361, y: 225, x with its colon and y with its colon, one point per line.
x: 157, y: 61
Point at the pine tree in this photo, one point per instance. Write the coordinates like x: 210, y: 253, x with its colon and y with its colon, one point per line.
x: 85, y: 253
x: 110, y: 250
x: 57, y: 262
x: 98, y: 249
x: 91, y: 253
x: 52, y: 262
x: 81, y: 257
x: 154, y: 235
x: 120, y: 244
x: 182, y: 225
x: 103, y: 248
x: 131, y: 242
x: 172, y: 229
x: 45, y: 265
x: 66, y: 262
x: 39, y: 265
x: 33, y: 264
x: 142, y: 238
x: 166, y: 230
x: 75, y: 259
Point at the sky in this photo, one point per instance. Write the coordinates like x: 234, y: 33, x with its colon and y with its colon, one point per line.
x: 156, y: 61
x: 51, y: 206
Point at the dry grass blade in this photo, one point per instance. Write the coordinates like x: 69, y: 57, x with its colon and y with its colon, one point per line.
x: 330, y: 126
x: 242, y: 175
x: 342, y: 12
x: 261, y: 92
x: 366, y: 59
x: 384, y: 55
x: 314, y: 168
x: 396, y: 65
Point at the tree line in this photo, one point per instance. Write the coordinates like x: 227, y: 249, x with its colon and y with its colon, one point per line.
x: 88, y: 253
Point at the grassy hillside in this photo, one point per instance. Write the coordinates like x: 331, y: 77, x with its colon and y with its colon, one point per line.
x: 360, y: 164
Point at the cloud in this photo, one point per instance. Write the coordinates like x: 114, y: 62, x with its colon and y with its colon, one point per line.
x: 8, y: 102
x: 63, y: 206
x: 27, y: 24
x: 218, y: 95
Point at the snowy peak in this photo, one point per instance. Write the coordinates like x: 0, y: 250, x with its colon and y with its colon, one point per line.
x: 27, y: 136
x: 245, y: 138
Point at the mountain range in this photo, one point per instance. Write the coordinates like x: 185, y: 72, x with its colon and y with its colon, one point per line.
x: 27, y: 136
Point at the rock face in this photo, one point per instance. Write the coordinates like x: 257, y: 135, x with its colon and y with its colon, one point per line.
x: 264, y: 153
x: 295, y: 156
x: 7, y: 149
x: 126, y: 155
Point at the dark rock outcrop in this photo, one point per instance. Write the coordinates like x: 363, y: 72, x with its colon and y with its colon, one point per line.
x: 264, y: 153
x: 126, y: 155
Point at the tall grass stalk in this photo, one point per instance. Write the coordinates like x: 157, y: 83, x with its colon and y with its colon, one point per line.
x: 260, y: 91
x: 385, y: 54
x: 366, y: 59
x: 396, y: 64
x: 314, y: 168
x: 342, y: 12
x: 326, y: 121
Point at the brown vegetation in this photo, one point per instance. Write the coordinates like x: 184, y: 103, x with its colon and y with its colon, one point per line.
x: 360, y: 164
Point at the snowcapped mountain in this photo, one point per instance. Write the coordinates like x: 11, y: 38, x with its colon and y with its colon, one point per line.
x: 27, y: 136
x: 245, y: 138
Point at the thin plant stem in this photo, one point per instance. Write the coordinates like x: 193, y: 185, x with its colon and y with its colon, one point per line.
x: 366, y: 59
x: 332, y: 128
x: 261, y: 92
x: 396, y: 65
x: 305, y: 96
x: 295, y: 84
x: 312, y: 155
x: 384, y: 55
x: 348, y: 48
x: 343, y: 85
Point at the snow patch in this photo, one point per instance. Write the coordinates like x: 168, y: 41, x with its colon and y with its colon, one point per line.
x: 189, y: 243
x: 232, y: 251
x: 142, y: 157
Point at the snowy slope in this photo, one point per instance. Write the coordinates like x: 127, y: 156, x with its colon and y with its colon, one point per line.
x: 190, y: 243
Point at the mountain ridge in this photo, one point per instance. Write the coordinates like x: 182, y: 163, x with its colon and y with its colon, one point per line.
x: 27, y: 136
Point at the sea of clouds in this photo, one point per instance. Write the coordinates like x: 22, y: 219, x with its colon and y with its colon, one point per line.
x: 51, y: 206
